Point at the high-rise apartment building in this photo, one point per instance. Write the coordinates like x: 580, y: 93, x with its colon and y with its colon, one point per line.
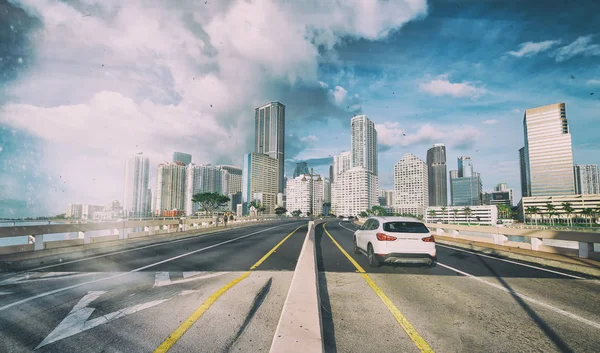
x: 587, y: 179
x: 364, y: 143
x: 203, y: 178
x: 170, y: 187
x: 234, y: 186
x: 305, y: 196
x: 411, y: 185
x: 436, y: 171
x: 331, y: 174
x: 386, y: 197
x: 341, y: 163
x: 184, y: 158
x: 260, y: 181
x: 354, y: 191
x: 301, y: 168
x: 235, y: 178
x: 136, y: 185
x: 548, y: 151
x: 269, y: 138
x: 465, y: 184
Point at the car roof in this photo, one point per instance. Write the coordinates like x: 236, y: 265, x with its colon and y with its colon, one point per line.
x: 396, y: 219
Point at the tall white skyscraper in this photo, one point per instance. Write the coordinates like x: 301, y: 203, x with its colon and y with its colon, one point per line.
x: 411, y: 185
x: 298, y: 194
x: 136, y: 185
x: 364, y: 143
x: 170, y: 187
x: 354, y: 191
x: 342, y: 162
x: 548, y: 152
x: 587, y: 179
x: 203, y: 178
x: 269, y: 137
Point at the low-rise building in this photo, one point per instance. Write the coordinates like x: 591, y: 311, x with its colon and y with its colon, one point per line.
x: 487, y: 215
x: 553, y: 209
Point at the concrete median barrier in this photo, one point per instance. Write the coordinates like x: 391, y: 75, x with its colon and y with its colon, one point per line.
x: 299, y: 329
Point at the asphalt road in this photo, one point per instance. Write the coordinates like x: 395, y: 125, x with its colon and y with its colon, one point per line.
x: 468, y: 303
x: 141, y: 299
x: 133, y: 300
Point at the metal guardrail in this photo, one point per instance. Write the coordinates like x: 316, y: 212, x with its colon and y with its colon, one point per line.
x: 117, y: 230
x: 499, y: 236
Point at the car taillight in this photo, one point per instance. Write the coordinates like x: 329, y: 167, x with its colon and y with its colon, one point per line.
x: 385, y: 237
x: 429, y: 239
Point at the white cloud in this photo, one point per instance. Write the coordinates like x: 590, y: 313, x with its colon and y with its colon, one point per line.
x: 462, y: 137
x: 490, y: 122
x: 311, y: 139
x: 593, y: 82
x: 532, y: 48
x: 580, y: 46
x: 442, y: 87
x: 173, y: 76
x: 339, y: 94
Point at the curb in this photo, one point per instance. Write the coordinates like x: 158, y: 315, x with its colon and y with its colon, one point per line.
x: 299, y: 329
x: 77, y: 252
x: 527, y: 258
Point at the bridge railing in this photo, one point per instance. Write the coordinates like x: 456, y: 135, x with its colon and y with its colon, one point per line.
x: 93, y: 232
x: 532, y: 239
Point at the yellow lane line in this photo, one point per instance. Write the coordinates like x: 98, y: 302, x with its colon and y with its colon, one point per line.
x: 190, y: 321
x: 274, y: 248
x: 402, y: 320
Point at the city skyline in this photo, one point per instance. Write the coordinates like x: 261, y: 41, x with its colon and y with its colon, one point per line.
x: 65, y: 135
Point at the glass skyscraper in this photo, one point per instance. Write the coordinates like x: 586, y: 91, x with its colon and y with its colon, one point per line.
x: 269, y: 138
x: 548, y: 152
x: 436, y: 170
x: 184, y: 158
x: 465, y: 184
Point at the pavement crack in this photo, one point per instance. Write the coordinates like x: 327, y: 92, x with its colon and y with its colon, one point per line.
x: 258, y: 300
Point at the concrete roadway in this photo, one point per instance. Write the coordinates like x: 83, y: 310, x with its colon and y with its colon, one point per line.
x: 133, y: 300
x: 516, y: 309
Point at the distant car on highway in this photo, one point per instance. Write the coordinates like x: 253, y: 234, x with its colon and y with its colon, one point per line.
x: 345, y: 219
x: 395, y: 240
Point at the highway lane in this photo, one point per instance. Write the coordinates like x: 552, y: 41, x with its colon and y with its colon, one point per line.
x: 132, y: 301
x: 516, y: 309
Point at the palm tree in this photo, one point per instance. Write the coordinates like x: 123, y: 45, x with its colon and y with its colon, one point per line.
x: 503, y: 210
x: 455, y: 212
x: 432, y: 214
x: 444, y: 213
x: 588, y: 212
x: 532, y: 210
x: 551, y: 210
x: 568, y: 208
x: 468, y: 213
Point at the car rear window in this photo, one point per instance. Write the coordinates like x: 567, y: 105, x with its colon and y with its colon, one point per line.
x: 405, y: 227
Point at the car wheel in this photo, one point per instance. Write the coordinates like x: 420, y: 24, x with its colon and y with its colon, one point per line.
x: 373, y: 262
x: 356, y: 249
x: 433, y: 263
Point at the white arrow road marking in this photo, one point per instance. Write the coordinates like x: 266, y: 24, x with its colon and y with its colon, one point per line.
x: 76, y: 320
x: 162, y: 278
x: 33, y: 277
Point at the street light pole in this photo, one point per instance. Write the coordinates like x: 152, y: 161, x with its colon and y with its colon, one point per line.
x: 311, y: 193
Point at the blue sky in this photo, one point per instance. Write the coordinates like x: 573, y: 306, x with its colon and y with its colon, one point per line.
x: 87, y: 83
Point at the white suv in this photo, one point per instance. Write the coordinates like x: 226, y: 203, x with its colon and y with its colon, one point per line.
x: 395, y: 240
